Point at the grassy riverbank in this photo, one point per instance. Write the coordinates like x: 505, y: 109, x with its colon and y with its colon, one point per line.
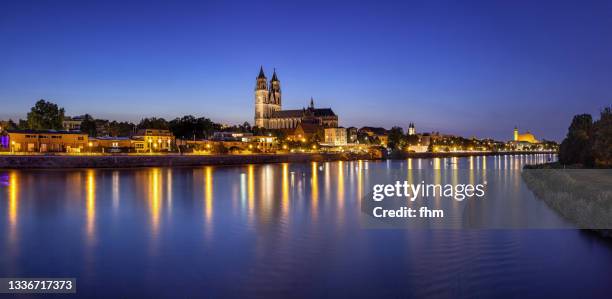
x: 582, y: 196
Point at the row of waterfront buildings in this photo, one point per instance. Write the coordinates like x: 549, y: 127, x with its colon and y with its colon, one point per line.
x: 157, y: 141
x: 297, y: 125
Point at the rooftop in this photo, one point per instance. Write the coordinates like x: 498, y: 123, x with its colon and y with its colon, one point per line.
x: 45, y: 132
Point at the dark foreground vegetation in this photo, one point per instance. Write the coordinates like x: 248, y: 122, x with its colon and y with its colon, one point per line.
x: 579, y: 186
x: 588, y: 143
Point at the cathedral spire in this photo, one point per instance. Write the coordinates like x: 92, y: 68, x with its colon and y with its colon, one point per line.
x: 261, y: 73
x: 311, y: 103
x: 274, y: 77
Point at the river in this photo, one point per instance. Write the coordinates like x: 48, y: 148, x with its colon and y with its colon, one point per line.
x: 279, y: 230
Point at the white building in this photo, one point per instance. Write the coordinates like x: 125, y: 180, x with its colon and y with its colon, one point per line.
x: 335, y: 136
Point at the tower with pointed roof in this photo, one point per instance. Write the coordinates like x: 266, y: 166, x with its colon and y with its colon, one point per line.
x: 262, y: 108
x: 268, y: 104
x: 275, y: 91
x: 411, y: 129
x: 267, y: 98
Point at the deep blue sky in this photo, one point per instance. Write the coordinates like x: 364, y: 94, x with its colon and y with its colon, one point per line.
x: 470, y: 68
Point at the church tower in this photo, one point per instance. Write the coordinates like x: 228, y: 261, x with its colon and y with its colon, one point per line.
x: 275, y: 91
x: 411, y: 129
x: 262, y: 113
x: 516, y: 134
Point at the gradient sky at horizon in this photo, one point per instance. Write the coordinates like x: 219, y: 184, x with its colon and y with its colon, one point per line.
x: 474, y: 68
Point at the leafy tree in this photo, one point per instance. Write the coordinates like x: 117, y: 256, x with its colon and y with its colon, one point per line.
x: 280, y: 135
x: 88, y: 125
x: 23, y: 124
x: 412, y: 140
x: 45, y: 116
x: 245, y: 127
x: 575, y: 148
x: 123, y: 128
x: 317, y: 137
x: 189, y: 127
x: 185, y: 127
x: 259, y: 131
x: 153, y: 123
x: 396, y: 138
x: 602, y: 139
x: 10, y: 125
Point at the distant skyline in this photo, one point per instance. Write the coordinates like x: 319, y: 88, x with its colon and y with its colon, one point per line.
x: 472, y: 68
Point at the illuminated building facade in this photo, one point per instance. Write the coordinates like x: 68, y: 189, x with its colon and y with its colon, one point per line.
x: 110, y: 144
x: 411, y: 129
x: 335, y: 136
x: 153, y: 140
x: 268, y: 104
x: 525, y: 137
x: 72, y: 123
x: 47, y: 141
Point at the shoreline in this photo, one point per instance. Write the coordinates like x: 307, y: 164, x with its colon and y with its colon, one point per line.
x: 579, y: 195
x: 176, y: 160
x: 404, y: 155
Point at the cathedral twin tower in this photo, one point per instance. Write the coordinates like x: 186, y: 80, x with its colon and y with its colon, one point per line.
x: 267, y: 99
x: 269, y: 115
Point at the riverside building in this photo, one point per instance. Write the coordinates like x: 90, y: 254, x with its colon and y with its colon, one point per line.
x: 269, y: 113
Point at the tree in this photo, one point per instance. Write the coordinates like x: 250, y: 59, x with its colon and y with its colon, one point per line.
x: 602, y: 139
x: 576, y: 148
x: 11, y: 125
x: 23, y: 124
x: 396, y: 138
x: 412, y: 140
x: 123, y: 128
x: 153, y: 123
x: 88, y: 125
x: 188, y: 127
x: 185, y: 127
x: 45, y: 116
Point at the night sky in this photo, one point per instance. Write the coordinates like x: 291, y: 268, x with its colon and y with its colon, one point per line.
x: 469, y: 68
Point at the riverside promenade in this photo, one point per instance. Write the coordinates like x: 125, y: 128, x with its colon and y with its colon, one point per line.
x: 166, y: 160
x: 61, y: 161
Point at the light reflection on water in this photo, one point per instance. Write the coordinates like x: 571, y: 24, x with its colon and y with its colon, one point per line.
x: 289, y: 229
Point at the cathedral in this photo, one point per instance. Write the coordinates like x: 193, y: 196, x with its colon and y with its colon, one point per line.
x: 268, y: 103
x: 525, y: 137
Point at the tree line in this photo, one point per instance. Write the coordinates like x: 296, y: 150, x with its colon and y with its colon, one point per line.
x: 45, y: 115
x: 588, y: 142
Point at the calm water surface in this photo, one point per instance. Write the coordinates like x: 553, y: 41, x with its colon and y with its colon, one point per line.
x: 290, y: 230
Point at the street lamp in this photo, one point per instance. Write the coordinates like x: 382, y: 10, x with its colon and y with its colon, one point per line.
x: 12, y: 147
x: 89, y: 145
